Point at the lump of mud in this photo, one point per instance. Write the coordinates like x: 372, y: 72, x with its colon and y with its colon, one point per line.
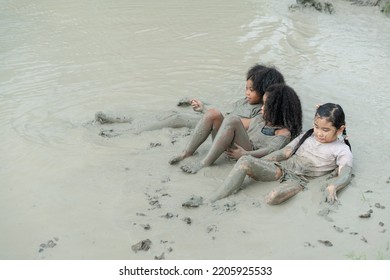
x: 143, y: 245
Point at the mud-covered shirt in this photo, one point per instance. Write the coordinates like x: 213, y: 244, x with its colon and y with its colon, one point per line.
x: 315, y: 159
x: 260, y: 140
x: 243, y: 109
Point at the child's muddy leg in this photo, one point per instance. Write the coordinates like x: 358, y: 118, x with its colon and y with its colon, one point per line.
x: 256, y: 168
x: 231, y: 131
x: 200, y: 134
x: 233, y: 182
x: 284, y: 192
x: 104, y: 118
x: 216, y: 118
x: 173, y: 120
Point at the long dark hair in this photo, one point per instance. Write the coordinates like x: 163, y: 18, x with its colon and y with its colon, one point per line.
x: 262, y: 77
x: 283, y: 108
x: 334, y: 114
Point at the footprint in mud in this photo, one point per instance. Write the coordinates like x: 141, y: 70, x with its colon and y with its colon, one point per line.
x: 325, y: 214
x: 338, y: 229
x: 212, y: 228
x: 146, y: 226
x: 166, y: 250
x: 227, y: 207
x: 108, y: 133
x: 169, y: 215
x: 187, y: 220
x: 382, y: 224
x: 154, y: 200
x: 327, y: 243
x: 154, y: 144
x: 161, y: 257
x: 166, y: 180
x: 378, y: 205
x: 308, y: 244
x: 48, y: 244
x: 155, y: 203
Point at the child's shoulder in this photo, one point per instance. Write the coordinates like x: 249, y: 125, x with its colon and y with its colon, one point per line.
x: 243, y: 109
x: 244, y: 101
x: 340, y: 150
x: 343, y: 153
x: 335, y: 147
x: 241, y: 102
x: 340, y: 143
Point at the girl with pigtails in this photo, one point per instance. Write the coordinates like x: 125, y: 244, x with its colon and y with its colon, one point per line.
x: 315, y: 153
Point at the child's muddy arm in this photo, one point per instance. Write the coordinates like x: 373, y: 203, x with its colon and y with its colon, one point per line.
x: 342, y: 180
x: 196, y: 104
x: 260, y: 152
x: 273, y: 145
x: 239, y: 151
x: 279, y: 155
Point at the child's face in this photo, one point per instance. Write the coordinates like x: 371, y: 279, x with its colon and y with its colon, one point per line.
x: 251, y: 94
x: 324, y: 131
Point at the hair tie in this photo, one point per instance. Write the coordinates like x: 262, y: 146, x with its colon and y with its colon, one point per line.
x: 345, y: 136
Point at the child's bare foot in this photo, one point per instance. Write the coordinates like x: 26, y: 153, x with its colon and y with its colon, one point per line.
x: 176, y: 159
x: 103, y: 118
x: 192, y: 168
x: 180, y: 157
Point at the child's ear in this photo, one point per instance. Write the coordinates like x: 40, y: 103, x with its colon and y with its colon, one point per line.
x: 340, y: 130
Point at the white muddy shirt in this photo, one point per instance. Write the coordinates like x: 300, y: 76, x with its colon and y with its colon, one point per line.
x: 316, y: 159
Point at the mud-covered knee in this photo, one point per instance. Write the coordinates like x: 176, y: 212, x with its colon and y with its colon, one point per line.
x: 233, y: 118
x: 212, y: 113
x: 272, y: 198
x: 244, y: 163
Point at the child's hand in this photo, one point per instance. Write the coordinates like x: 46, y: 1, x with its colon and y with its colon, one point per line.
x: 331, y: 196
x: 235, y: 153
x: 197, y: 105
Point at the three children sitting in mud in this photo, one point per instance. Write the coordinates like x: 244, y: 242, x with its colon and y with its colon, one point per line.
x: 263, y: 133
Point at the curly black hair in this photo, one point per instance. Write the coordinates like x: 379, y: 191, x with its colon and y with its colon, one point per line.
x: 283, y: 108
x: 263, y: 76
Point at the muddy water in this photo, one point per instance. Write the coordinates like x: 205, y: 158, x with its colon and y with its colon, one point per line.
x: 62, y: 62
